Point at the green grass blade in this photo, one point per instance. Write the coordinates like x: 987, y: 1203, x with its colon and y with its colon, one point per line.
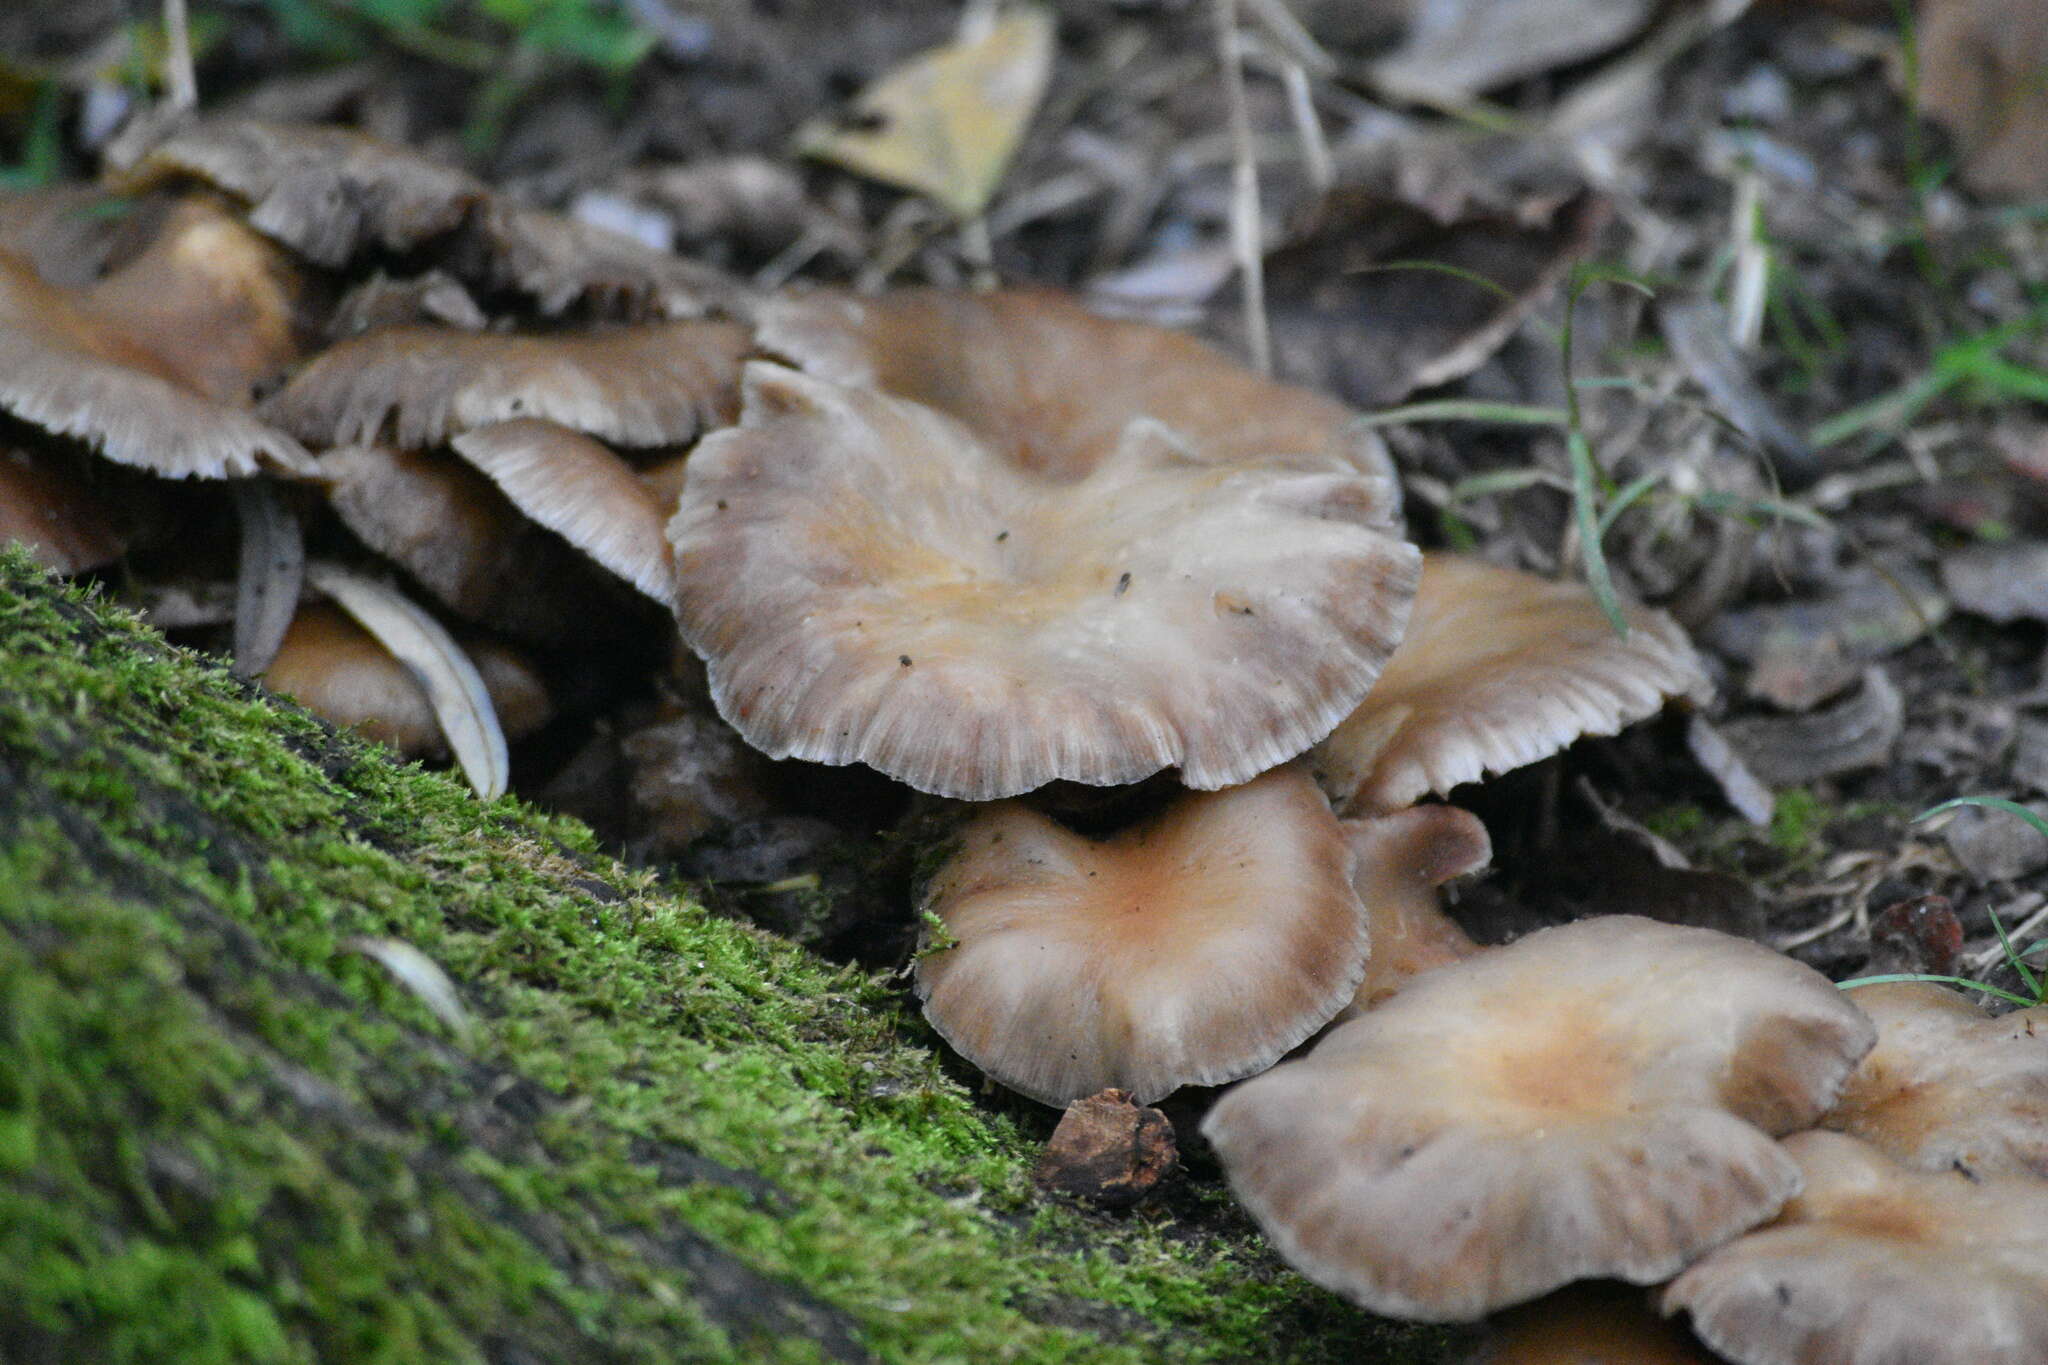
x: 1463, y: 410
x: 1585, y: 508
x: 1962, y: 981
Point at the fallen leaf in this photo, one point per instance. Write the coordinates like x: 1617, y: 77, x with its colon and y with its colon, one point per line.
x: 1108, y: 1151
x: 946, y: 122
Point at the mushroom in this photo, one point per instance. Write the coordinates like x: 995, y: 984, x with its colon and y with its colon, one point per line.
x: 868, y: 582
x: 54, y: 514
x: 1947, y: 1088
x: 1190, y: 949
x: 1498, y: 668
x: 1875, y: 1264
x: 153, y: 364
x: 328, y: 193
x: 1596, y: 1323
x: 1398, y: 862
x: 337, y: 670
x: 417, y: 386
x: 1051, y: 386
x: 1594, y: 1100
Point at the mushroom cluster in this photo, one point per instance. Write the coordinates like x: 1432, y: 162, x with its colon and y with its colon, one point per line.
x: 1002, y: 551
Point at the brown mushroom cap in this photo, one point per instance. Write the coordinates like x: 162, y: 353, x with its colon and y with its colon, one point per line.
x: 1947, y: 1088
x: 1875, y: 1264
x: 1596, y: 1323
x: 1398, y: 862
x: 1499, y: 668
x: 1051, y: 386
x: 1191, y: 949
x: 653, y: 385
x: 328, y: 193
x: 48, y: 509
x: 561, y: 262
x: 1594, y: 1100
x: 337, y: 670
x: 868, y: 583
x: 452, y: 529
x: 153, y: 364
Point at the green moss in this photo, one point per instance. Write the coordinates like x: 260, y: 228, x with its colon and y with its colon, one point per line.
x: 226, y: 1136
x: 1797, y: 821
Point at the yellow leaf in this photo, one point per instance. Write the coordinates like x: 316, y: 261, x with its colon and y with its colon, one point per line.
x: 946, y: 122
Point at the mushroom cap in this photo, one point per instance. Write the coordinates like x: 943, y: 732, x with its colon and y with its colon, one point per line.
x: 652, y: 385
x: 1191, y: 949
x: 328, y: 193
x: 1398, y: 861
x: 1594, y: 1100
x: 1596, y: 1323
x: 1499, y: 668
x: 67, y: 370
x: 583, y: 493
x: 869, y: 583
x: 1051, y: 386
x: 1947, y: 1088
x: 560, y: 262
x: 338, y: 671
x: 452, y: 529
x: 1875, y: 1264
x: 47, y: 508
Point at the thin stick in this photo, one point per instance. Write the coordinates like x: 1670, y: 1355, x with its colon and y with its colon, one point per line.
x: 1244, y: 193
x: 179, y: 78
x: 1315, y: 150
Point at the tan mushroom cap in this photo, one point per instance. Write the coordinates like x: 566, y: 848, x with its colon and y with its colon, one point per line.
x: 1947, y: 1087
x: 561, y: 262
x: 653, y: 385
x: 1875, y: 1264
x: 453, y: 530
x: 1595, y: 1100
x: 1499, y: 668
x: 1192, y: 949
x: 869, y: 584
x: 1052, y: 387
x: 1398, y: 862
x: 1597, y: 1323
x: 54, y: 514
x: 338, y: 671
x: 153, y: 364
x: 328, y: 193
x: 583, y: 493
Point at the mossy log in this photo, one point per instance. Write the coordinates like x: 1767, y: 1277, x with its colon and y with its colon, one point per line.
x: 229, y: 1134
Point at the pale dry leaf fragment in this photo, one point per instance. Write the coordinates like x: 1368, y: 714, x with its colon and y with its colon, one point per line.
x: 582, y: 492
x: 461, y: 703
x: 1052, y: 387
x: 655, y: 384
x: 1591, y: 1101
x: 328, y: 193
x: 1873, y: 1262
x: 1498, y: 669
x: 946, y: 122
x: 270, y: 572
x: 1855, y: 733
x: 419, y: 974
x: 1454, y: 50
x: 868, y: 583
x: 1191, y: 949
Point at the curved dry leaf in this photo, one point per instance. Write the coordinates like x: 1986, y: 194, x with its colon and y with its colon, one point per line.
x: 1455, y: 50
x: 461, y: 703
x: 419, y: 974
x: 1052, y: 387
x: 652, y: 385
x: 328, y: 193
x: 1498, y: 669
x: 583, y: 493
x: 946, y: 122
x: 272, y: 568
x: 870, y: 584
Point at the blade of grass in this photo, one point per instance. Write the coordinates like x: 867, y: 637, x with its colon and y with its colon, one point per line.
x: 1962, y: 981
x: 1465, y: 410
